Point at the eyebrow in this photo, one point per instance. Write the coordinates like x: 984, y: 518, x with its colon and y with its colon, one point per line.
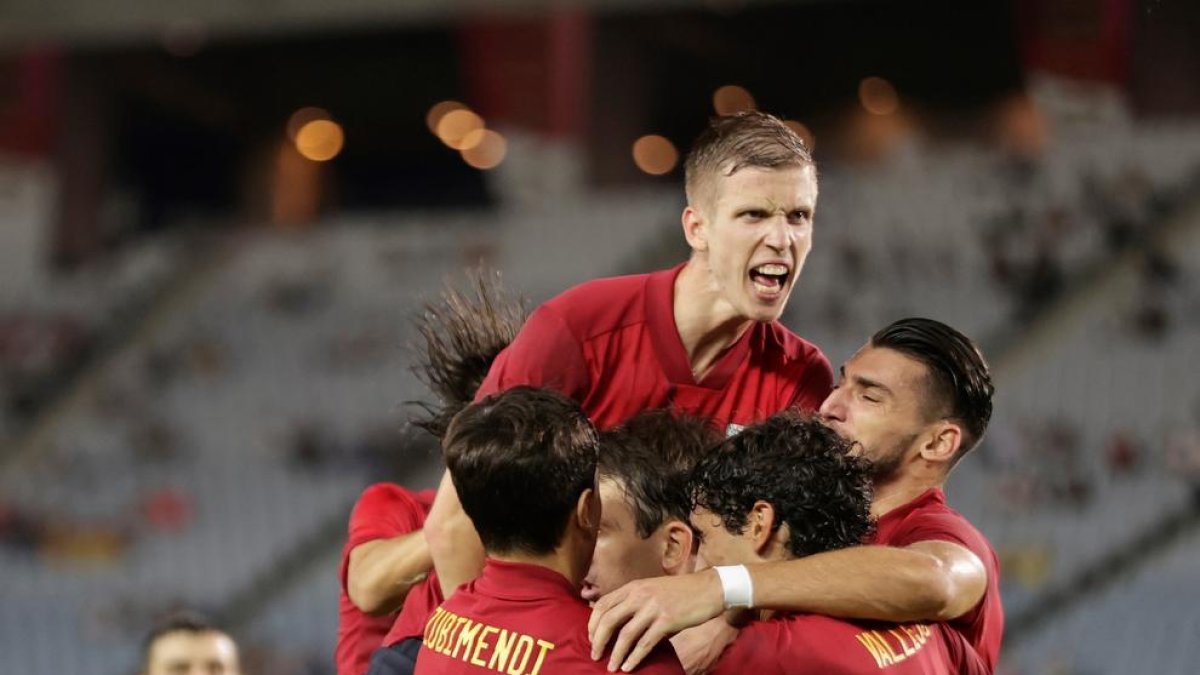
x: 867, y: 383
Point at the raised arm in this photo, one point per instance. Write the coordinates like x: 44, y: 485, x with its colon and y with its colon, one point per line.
x: 453, y: 543
x: 381, y: 571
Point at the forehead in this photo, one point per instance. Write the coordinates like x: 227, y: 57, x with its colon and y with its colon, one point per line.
x: 189, y: 646
x: 614, y: 502
x: 887, y: 366
x: 791, y: 186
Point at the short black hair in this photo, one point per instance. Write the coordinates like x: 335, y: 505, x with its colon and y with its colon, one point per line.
x: 959, y: 383
x: 520, y: 459
x: 803, y: 469
x: 653, y: 454
x: 183, y: 621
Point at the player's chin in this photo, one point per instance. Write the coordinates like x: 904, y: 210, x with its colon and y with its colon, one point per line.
x: 766, y: 309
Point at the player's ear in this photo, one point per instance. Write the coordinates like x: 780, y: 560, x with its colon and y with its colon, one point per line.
x: 678, y: 542
x: 943, y: 442
x: 695, y: 229
x: 761, y: 525
x: 587, y: 510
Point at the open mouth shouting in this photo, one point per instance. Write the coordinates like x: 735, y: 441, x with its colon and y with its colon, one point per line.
x: 770, y: 280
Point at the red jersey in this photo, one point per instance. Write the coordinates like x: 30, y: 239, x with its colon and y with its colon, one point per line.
x: 422, y: 599
x: 521, y: 620
x: 928, y: 518
x: 612, y: 345
x: 383, y: 511
x: 813, y: 644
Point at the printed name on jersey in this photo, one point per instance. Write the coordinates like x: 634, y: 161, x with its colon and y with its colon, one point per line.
x: 734, y: 430
x: 894, y: 645
x: 461, y: 638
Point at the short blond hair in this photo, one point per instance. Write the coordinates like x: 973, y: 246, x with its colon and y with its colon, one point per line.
x: 747, y: 139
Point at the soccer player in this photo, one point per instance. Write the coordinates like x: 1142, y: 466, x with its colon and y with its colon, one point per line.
x: 185, y: 644
x: 702, y: 337
x: 384, y: 556
x: 463, y: 331
x: 643, y: 472
x: 524, y: 463
x: 784, y: 489
x: 915, y: 399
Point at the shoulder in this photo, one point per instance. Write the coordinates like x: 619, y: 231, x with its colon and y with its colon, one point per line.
x: 936, y: 521
x: 600, y: 305
x: 383, y: 498
x: 792, y: 349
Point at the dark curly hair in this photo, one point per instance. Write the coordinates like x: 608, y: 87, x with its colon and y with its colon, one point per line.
x: 799, y: 466
x: 652, y: 454
x: 462, y: 333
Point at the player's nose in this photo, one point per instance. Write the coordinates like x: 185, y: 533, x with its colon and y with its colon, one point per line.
x: 778, y: 234
x: 831, y: 409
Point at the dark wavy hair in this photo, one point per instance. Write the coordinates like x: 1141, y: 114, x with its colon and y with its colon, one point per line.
x: 519, y: 460
x: 652, y: 455
x: 462, y: 333
x: 799, y: 466
x: 959, y: 382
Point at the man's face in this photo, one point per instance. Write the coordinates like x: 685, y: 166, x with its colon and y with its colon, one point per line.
x: 878, y: 404
x: 719, y: 546
x: 190, y: 653
x: 621, y: 555
x: 756, y: 233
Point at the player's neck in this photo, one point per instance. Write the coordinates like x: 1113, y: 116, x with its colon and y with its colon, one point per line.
x: 892, y: 494
x: 707, y: 325
x: 562, y: 560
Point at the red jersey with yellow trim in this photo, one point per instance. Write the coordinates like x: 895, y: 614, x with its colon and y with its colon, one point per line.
x: 928, y: 518
x: 813, y: 644
x: 521, y: 620
x: 383, y: 511
x: 612, y: 345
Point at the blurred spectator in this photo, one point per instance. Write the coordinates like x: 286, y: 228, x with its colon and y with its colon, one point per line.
x: 186, y: 644
x: 1124, y: 455
x: 1183, y: 458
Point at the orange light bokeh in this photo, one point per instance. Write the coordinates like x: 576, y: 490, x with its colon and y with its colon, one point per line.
x: 304, y: 116
x: 456, y: 125
x: 878, y: 96
x: 732, y: 99
x: 320, y: 140
x: 439, y: 110
x: 485, y: 149
x: 655, y: 155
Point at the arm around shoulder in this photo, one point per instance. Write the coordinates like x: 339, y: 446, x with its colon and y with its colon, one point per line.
x: 928, y: 580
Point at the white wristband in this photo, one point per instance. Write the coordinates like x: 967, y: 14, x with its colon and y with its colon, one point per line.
x: 736, y: 585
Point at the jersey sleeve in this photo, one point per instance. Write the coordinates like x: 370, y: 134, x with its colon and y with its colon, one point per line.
x: 383, y: 511
x: 941, y: 527
x: 815, y: 384
x: 963, y: 657
x: 544, y: 354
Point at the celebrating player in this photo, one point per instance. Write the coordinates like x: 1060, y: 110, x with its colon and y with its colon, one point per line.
x: 643, y: 471
x: 524, y: 463
x: 702, y: 337
x: 784, y: 489
x: 915, y: 399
